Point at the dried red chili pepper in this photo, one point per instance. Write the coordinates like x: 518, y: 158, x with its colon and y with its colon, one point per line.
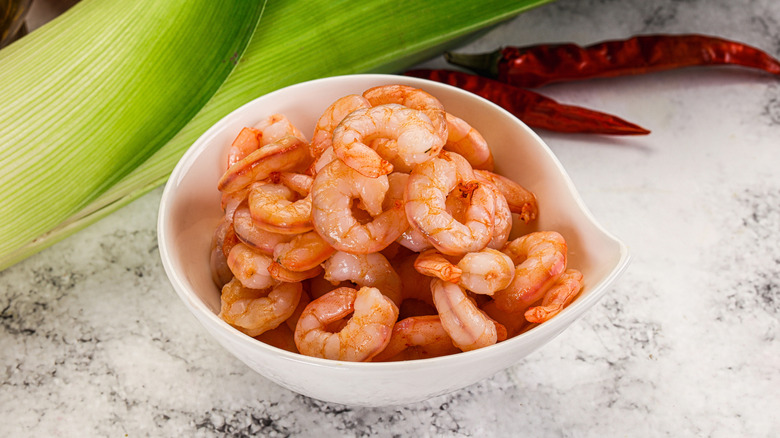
x: 533, y: 66
x: 533, y: 108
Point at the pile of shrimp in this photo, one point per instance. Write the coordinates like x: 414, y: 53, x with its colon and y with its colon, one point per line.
x: 384, y: 238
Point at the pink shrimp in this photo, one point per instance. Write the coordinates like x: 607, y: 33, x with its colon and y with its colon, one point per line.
x: 482, y: 272
x: 540, y: 258
x: 467, y: 325
x: 415, y: 139
x: 559, y: 296
x: 304, y: 252
x: 287, y: 154
x: 426, y: 194
x: 254, y: 311
x: 468, y: 142
x: 333, y: 191
x: 333, y: 115
x: 246, y: 142
x: 418, y: 337
x: 276, y: 127
x: 220, y: 271
x: 277, y: 208
x: 414, y: 98
x: 364, y: 270
x: 520, y: 200
x: 259, y: 239
x: 250, y: 267
x: 280, y: 273
x: 361, y: 338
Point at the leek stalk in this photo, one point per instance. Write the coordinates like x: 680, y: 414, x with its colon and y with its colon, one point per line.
x: 295, y: 41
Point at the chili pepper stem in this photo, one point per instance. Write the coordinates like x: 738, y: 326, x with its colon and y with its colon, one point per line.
x: 485, y: 64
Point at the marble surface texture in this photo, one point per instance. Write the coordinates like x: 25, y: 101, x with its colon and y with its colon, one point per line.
x: 93, y: 341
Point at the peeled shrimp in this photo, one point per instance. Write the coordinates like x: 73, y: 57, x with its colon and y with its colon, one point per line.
x: 304, y: 252
x: 364, y: 270
x: 415, y: 138
x: 482, y: 272
x: 540, y: 258
x: 467, y: 325
x: 280, y: 273
x: 259, y: 239
x: 333, y: 115
x: 414, y: 98
x: 276, y: 208
x: 520, y: 200
x: 276, y: 127
x: 363, y: 336
x: 417, y: 337
x: 435, y: 264
x: 333, y: 191
x: 468, y: 142
x: 287, y: 154
x: 502, y: 220
x: 246, y: 142
x: 250, y: 267
x: 426, y: 194
x: 560, y: 294
x: 220, y: 271
x: 255, y: 311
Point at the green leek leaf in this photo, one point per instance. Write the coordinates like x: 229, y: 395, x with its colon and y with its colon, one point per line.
x: 93, y: 94
x: 299, y: 40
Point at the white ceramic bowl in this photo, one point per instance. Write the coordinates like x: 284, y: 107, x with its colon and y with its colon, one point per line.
x: 190, y: 210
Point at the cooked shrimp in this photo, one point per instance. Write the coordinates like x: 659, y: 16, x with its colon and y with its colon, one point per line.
x: 364, y: 270
x: 468, y: 142
x: 254, y: 311
x: 414, y: 240
x: 333, y: 115
x: 410, y: 238
x: 502, y: 220
x: 418, y: 337
x: 276, y: 127
x: 246, y: 142
x: 321, y: 161
x: 280, y: 273
x: 276, y: 208
x: 520, y: 200
x: 259, y: 239
x: 363, y: 336
x: 426, y: 194
x: 304, y: 252
x: 220, y: 271
x: 560, y: 294
x: 415, y: 139
x: 482, y: 272
x: 250, y: 267
x: 540, y: 258
x: 486, y: 271
x: 287, y: 154
x: 333, y: 191
x: 414, y: 98
x: 435, y: 264
x: 467, y: 325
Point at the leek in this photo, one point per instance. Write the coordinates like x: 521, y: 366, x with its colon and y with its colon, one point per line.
x: 295, y: 41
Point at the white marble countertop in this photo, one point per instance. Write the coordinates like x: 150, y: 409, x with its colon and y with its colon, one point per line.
x: 93, y: 341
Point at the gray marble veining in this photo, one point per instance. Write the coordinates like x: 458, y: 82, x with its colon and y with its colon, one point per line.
x: 95, y: 343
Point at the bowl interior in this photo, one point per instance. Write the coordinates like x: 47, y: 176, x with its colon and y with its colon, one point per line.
x: 190, y: 207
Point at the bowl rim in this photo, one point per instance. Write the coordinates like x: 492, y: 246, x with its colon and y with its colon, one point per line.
x: 555, y: 325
